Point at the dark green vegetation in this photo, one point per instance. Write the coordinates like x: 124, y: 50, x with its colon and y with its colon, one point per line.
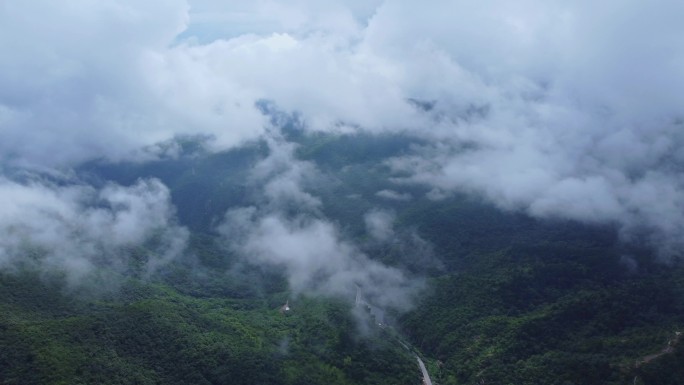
x: 524, y: 301
x: 551, y: 312
x: 152, y: 334
x: 510, y: 300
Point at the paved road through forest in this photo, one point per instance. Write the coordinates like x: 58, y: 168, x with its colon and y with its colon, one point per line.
x: 426, y: 376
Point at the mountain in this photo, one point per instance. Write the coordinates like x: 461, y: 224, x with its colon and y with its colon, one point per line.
x: 499, y: 297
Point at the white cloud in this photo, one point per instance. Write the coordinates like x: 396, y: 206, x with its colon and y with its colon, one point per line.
x: 281, y: 177
x: 89, y: 79
x: 285, y: 228
x: 212, y: 19
x: 379, y: 224
x: 77, y: 229
x: 394, y: 195
x: 314, y: 257
x: 570, y: 110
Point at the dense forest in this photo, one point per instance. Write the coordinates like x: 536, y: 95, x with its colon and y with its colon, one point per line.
x: 508, y: 299
x: 175, y: 332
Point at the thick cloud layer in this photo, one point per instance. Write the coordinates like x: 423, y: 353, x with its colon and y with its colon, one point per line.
x: 87, y: 79
x: 558, y: 109
x: 578, y: 116
x: 77, y: 229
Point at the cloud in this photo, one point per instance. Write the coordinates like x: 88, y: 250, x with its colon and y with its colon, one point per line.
x: 282, y: 178
x: 85, y: 80
x: 65, y: 99
x: 393, y: 195
x: 285, y: 228
x: 314, y: 257
x: 379, y: 224
x: 405, y: 246
x: 211, y: 19
x: 559, y: 111
x: 76, y: 229
x: 566, y: 110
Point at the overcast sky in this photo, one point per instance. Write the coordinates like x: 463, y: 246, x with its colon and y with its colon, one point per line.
x: 569, y: 109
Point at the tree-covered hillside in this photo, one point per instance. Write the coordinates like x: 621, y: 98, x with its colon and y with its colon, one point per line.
x: 507, y: 299
x: 149, y: 333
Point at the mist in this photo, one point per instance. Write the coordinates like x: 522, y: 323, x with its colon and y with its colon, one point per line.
x: 78, y: 230
x: 566, y: 111
x: 285, y: 228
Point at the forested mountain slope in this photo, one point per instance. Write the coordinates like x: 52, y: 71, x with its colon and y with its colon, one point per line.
x: 507, y: 299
